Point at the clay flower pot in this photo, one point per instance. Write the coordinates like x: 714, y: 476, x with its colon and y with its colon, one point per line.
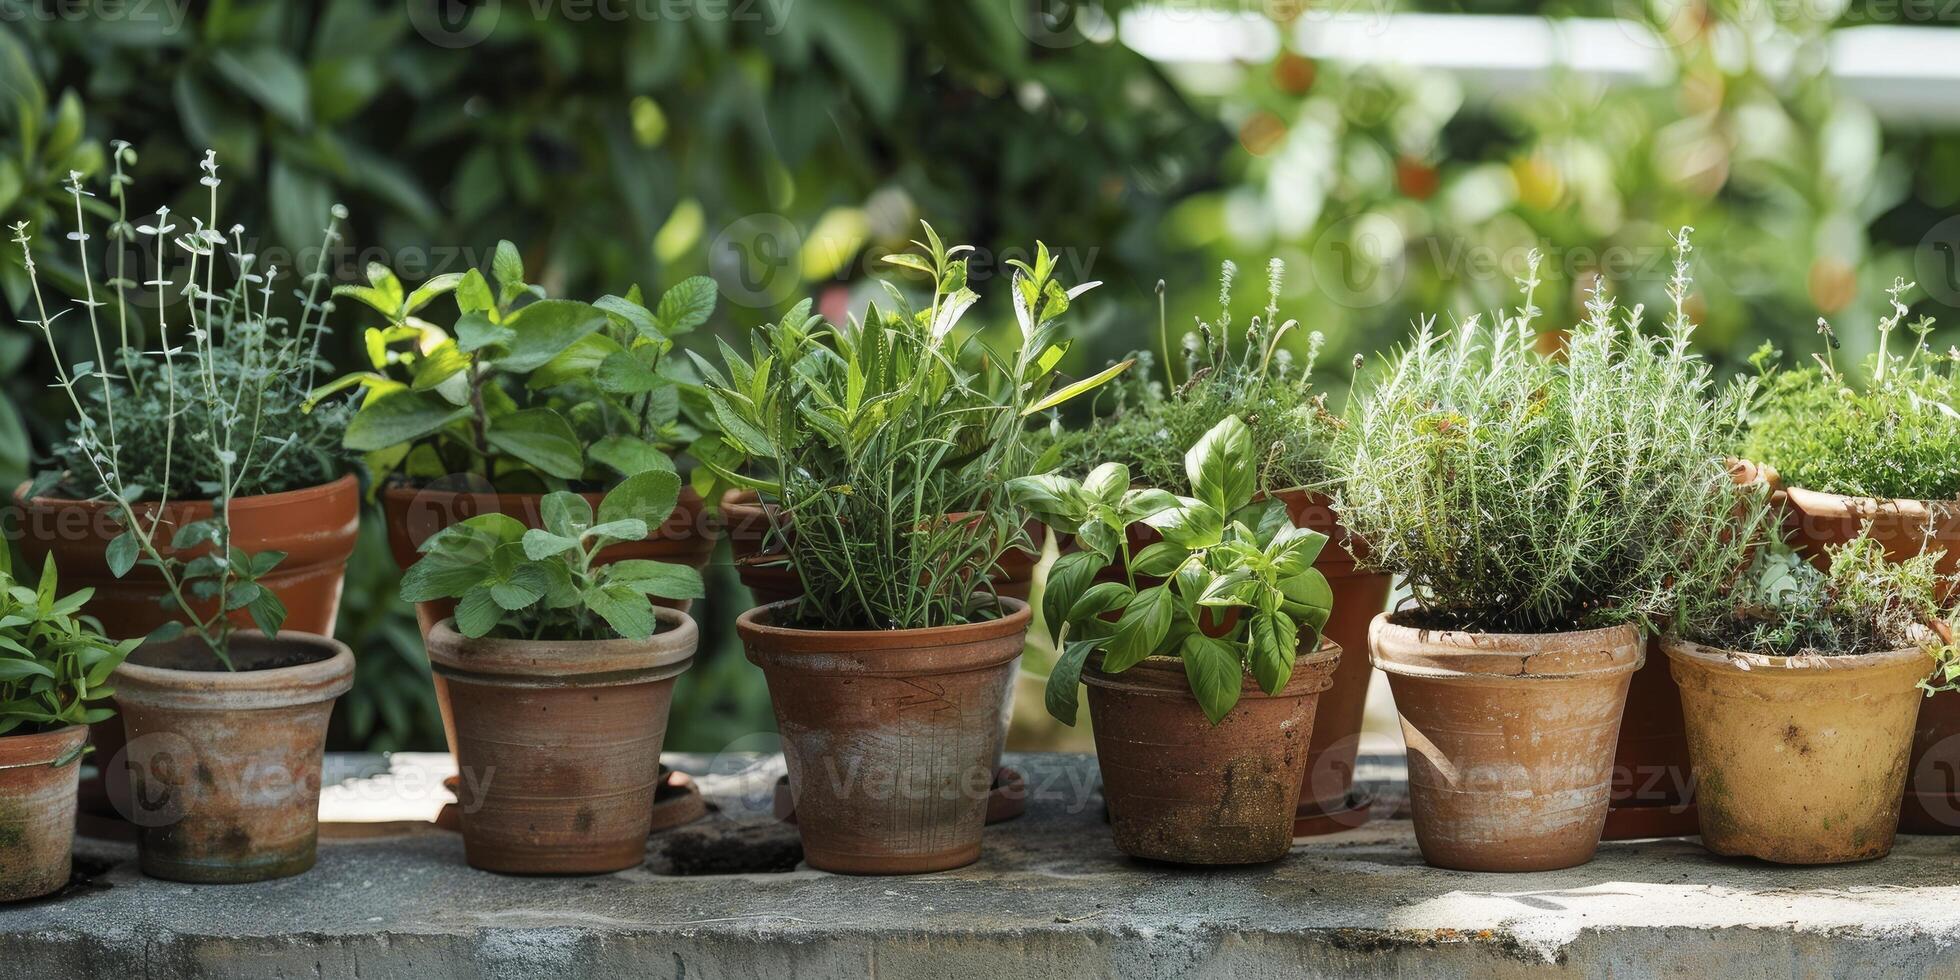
x: 315, y: 527
x: 558, y: 744
x: 224, y: 766
x: 890, y: 735
x: 1182, y: 789
x: 1799, y: 760
x: 1510, y: 739
x: 37, y: 810
x: 415, y: 514
x: 1653, y: 777
x: 1813, y: 521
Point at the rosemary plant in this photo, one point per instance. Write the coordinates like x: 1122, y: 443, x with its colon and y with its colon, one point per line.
x: 198, y: 412
x: 1150, y: 418
x: 892, y: 439
x: 1524, y: 491
x: 1896, y: 435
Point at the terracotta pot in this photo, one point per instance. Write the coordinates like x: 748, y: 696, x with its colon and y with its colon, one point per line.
x: 223, y: 767
x: 1798, y: 760
x: 1182, y: 789
x: 1653, y: 779
x: 890, y: 735
x: 415, y: 514
x: 558, y: 744
x: 37, y: 810
x: 1510, y: 739
x: 746, y: 522
x: 1325, y: 803
x: 1813, y: 521
x: 315, y: 527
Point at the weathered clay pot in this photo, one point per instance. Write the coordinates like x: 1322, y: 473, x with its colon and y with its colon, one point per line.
x: 1182, y: 789
x: 1653, y: 779
x: 890, y: 735
x: 1813, y: 521
x: 558, y: 744
x: 1326, y: 805
x: 1799, y: 760
x: 415, y: 514
x: 37, y: 810
x: 224, y: 766
x: 1510, y: 739
x: 315, y: 527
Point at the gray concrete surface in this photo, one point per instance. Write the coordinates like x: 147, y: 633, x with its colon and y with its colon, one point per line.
x: 1051, y: 897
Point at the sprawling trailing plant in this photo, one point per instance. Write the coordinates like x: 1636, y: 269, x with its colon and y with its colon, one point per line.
x: 526, y: 392
x: 226, y: 373
x: 1522, y: 490
x: 891, y: 441
x: 1292, y: 429
x: 547, y: 583
x: 1897, y: 435
x: 1236, y: 589
x: 54, y: 664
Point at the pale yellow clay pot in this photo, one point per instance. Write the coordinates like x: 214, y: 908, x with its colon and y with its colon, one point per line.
x: 1511, y: 739
x: 1798, y: 760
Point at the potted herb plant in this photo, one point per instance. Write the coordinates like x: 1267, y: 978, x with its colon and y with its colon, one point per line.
x: 226, y: 726
x: 1877, y: 456
x: 1203, y: 685
x: 892, y: 439
x: 559, y: 670
x: 54, y: 676
x: 1539, y: 506
x: 1151, y: 419
x: 1802, y: 686
x: 522, y: 396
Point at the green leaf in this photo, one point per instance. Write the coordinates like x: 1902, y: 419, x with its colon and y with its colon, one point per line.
x: 1064, y: 679
x: 1054, y: 498
x: 1138, y: 505
x: 541, y: 544
x: 633, y: 315
x: 1100, y: 598
x: 543, y: 330
x: 609, y: 532
x: 13, y: 670
x: 648, y: 496
x: 1221, y: 467
x: 625, y: 609
x: 477, y: 613
x: 1309, y: 600
x: 271, y: 77
x: 1068, y: 578
x: 439, y: 365
x: 523, y: 588
x: 630, y: 455
x: 1293, y: 551
x: 1140, y: 631
x: 428, y: 291
x: 1107, y: 483
x: 565, y: 514
x: 623, y: 374
x: 508, y: 268
x: 393, y: 418
x: 1160, y: 559
x: 437, y: 577
x: 122, y: 553
x: 579, y: 362
x: 1273, y: 642
x: 686, y: 306
x: 1212, y: 668
x: 541, y: 438
x: 1191, y: 524
x: 665, y: 580
x: 1080, y: 387
x: 267, y: 612
x: 473, y: 295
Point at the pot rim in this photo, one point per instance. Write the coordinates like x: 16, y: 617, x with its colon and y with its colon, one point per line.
x: 1505, y: 656
x: 33, y: 749
x: 1740, y: 661
x: 566, y: 663
x: 951, y: 649
x: 399, y: 490
x: 1312, y: 674
x: 1819, y: 503
x: 223, y: 690
x: 300, y: 495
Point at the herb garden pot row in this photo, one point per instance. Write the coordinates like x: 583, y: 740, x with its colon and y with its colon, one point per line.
x: 38, y: 776
x: 890, y: 736
x: 558, y: 744
x: 1511, y: 739
x: 224, y: 766
x: 1181, y: 789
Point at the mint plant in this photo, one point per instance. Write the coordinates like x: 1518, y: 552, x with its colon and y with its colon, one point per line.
x: 1230, y: 589
x: 525, y: 391
x: 547, y: 583
x: 54, y: 663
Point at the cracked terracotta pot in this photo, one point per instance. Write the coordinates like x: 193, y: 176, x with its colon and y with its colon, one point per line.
x: 890, y: 736
x: 38, y: 776
x: 558, y: 744
x: 1813, y: 521
x: 1798, y: 760
x: 1511, y: 739
x: 223, y: 766
x: 1182, y: 789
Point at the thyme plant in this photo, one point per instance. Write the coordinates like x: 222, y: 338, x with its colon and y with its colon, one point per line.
x: 1521, y: 490
x: 139, y: 413
x: 1895, y: 434
x: 1151, y: 419
x: 890, y: 440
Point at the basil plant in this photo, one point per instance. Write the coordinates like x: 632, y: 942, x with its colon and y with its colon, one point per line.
x: 1229, y: 589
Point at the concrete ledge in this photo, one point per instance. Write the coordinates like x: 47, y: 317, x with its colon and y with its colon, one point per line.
x: 1051, y: 897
